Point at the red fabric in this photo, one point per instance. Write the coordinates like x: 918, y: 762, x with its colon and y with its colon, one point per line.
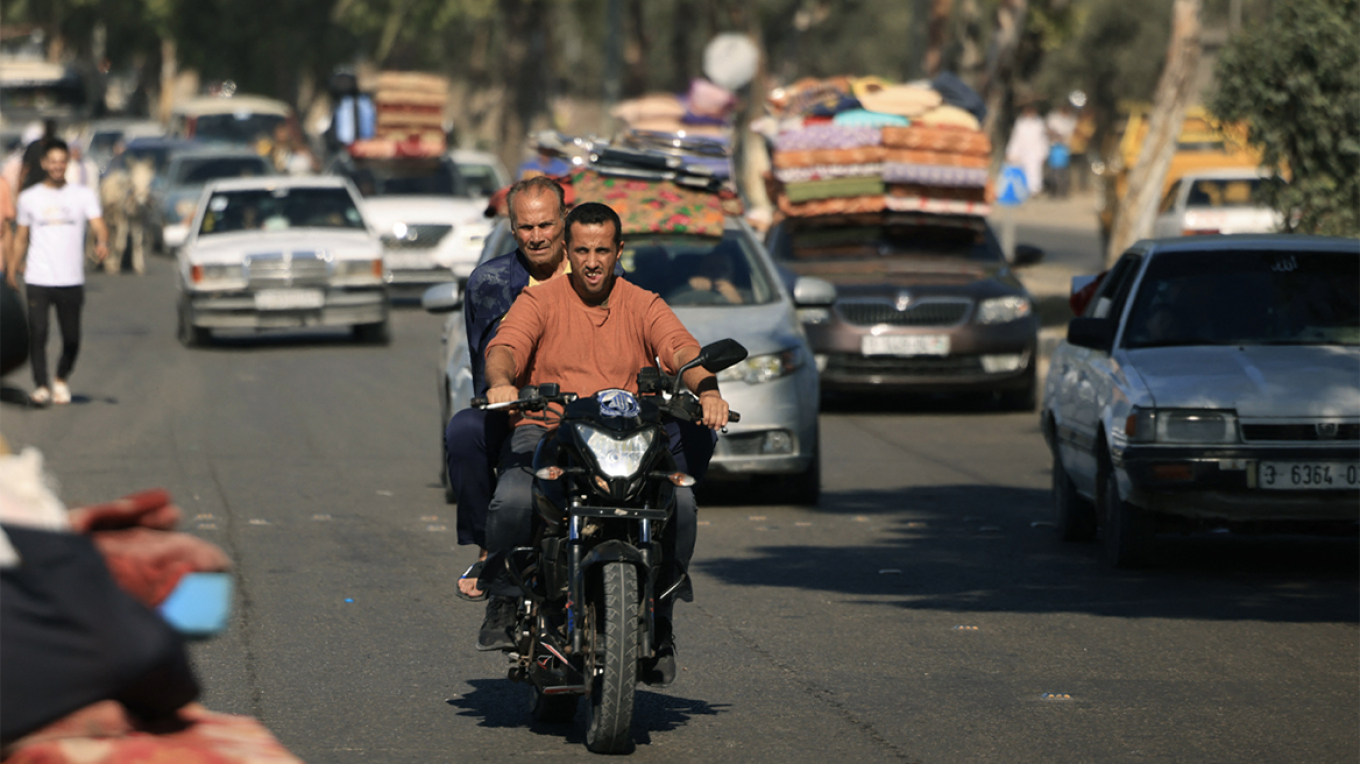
x: 145, y: 556
x: 105, y: 733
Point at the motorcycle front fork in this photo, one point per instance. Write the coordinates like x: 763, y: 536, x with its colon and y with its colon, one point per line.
x: 573, y: 585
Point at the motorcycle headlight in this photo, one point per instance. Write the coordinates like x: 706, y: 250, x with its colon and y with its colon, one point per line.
x: 999, y: 310
x: 1181, y: 426
x: 763, y: 368
x: 616, y: 457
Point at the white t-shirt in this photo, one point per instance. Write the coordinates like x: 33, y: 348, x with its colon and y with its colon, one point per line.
x: 56, y: 219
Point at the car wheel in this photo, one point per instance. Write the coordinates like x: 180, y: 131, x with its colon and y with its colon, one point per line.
x: 1130, y: 532
x: 373, y: 334
x: 191, y: 336
x: 1074, y: 516
x: 449, y: 496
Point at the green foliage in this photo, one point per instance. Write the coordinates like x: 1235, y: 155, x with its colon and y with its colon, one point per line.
x: 1295, y: 82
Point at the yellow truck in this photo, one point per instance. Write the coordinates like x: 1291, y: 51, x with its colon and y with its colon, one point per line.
x: 1204, y: 144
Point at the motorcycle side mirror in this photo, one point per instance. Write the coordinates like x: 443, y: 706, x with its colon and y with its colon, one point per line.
x: 721, y: 355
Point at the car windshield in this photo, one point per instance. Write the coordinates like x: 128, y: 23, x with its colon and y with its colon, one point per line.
x: 697, y: 270
x: 408, y: 177
x: 877, y: 237
x: 1226, y: 192
x: 157, y: 154
x: 202, y: 170
x: 279, y: 210
x: 1247, y: 298
x: 239, y: 127
x: 481, y: 179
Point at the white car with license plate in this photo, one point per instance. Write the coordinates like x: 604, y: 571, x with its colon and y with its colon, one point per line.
x: 280, y: 253
x: 1212, y: 381
x: 428, y: 211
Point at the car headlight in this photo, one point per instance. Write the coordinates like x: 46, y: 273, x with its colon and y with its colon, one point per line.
x: 999, y: 310
x: 203, y: 273
x: 1181, y: 426
x: 814, y: 315
x: 617, y: 458
x: 184, y: 210
x: 352, y: 268
x: 763, y: 368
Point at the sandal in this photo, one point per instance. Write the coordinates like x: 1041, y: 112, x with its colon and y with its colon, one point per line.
x: 474, y: 571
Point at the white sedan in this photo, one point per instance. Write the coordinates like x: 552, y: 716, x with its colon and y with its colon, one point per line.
x: 1212, y: 381
x: 277, y: 253
x: 1216, y: 201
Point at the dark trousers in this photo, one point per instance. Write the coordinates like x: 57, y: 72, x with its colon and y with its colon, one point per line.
x: 68, y: 300
x: 475, y: 439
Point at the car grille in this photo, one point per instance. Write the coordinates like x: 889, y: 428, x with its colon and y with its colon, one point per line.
x: 1308, y: 431
x: 928, y: 312
x: 287, y: 269
x: 852, y: 364
x: 418, y: 236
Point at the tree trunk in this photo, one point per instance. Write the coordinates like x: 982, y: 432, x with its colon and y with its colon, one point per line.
x: 636, y: 44
x: 169, y: 78
x: 1137, y: 208
x: 524, y: 22
x: 996, y: 82
x: 937, y: 35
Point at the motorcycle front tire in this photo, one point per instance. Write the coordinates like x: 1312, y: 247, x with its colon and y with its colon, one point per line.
x: 616, y: 628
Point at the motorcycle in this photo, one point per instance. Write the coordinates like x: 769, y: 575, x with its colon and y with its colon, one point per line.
x: 604, y: 490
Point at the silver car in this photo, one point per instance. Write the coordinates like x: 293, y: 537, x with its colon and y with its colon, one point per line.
x: 1211, y: 381
x: 718, y: 287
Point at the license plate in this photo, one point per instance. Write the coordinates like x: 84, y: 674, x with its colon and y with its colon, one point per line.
x: 407, y: 261
x: 289, y: 299
x: 905, y: 344
x: 1307, y: 476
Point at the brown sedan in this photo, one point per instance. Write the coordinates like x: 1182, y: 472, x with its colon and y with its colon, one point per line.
x: 924, y: 303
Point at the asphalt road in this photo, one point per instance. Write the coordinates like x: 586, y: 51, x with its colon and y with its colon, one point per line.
x: 923, y: 613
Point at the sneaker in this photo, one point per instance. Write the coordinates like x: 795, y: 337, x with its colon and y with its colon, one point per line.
x: 60, y: 392
x: 42, y: 396
x: 500, y: 619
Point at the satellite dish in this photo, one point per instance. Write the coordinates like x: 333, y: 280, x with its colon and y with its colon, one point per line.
x: 731, y: 60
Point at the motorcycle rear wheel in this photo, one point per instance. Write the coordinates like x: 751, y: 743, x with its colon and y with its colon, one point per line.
x: 615, y: 623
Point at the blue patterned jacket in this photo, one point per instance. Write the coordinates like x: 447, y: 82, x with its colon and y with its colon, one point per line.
x: 491, y: 290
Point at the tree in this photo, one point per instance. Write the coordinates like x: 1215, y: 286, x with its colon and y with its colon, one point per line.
x: 1295, y: 82
x: 1133, y: 218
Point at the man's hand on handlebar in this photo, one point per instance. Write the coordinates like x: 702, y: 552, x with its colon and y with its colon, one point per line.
x: 502, y: 394
x: 715, y: 410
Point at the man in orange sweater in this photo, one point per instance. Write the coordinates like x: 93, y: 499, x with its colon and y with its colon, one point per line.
x: 588, y: 332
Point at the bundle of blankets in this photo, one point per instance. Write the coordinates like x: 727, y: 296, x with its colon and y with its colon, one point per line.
x: 845, y: 145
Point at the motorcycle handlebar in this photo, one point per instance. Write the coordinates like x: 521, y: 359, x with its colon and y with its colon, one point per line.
x: 481, y: 403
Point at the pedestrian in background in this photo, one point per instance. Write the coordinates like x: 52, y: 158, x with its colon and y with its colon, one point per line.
x: 6, y: 222
x: 548, y: 160
x: 49, y: 249
x: 1028, y: 147
x: 1061, y: 124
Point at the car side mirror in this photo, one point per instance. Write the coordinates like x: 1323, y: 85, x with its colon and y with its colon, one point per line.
x: 721, y: 355
x: 1093, y: 333
x: 809, y: 291
x: 1027, y: 254
x: 442, y: 298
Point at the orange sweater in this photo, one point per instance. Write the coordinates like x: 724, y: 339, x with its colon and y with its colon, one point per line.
x: 555, y: 337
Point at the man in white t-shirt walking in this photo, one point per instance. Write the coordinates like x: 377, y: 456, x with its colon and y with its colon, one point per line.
x: 49, y: 249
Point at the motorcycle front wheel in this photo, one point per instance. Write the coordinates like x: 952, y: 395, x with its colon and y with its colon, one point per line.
x: 614, y: 609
